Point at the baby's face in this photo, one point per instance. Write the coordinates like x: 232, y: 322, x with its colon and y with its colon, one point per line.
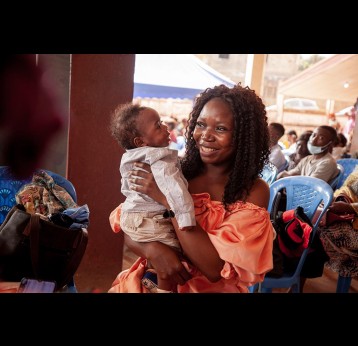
x: 154, y: 132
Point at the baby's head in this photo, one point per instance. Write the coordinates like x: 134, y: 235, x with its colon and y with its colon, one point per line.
x: 134, y: 126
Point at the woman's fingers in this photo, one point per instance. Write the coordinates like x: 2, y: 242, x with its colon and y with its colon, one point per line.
x: 143, y: 165
x: 140, y: 174
x: 177, y: 277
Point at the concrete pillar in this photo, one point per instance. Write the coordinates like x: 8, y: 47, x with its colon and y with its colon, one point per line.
x: 279, y: 102
x: 255, y: 69
x: 99, y: 82
x: 329, y: 106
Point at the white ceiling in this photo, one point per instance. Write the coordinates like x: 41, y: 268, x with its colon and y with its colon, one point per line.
x: 325, y: 80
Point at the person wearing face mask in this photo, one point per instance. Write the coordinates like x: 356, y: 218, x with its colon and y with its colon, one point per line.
x: 321, y: 163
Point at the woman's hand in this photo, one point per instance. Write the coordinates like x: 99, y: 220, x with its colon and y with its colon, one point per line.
x: 341, y: 208
x: 144, y: 182
x: 166, y: 263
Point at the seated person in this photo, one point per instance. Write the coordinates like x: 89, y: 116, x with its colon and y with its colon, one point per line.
x: 276, y: 131
x: 292, y: 140
x: 339, y: 148
x: 340, y: 239
x: 321, y: 163
x: 332, y: 121
x: 301, y: 150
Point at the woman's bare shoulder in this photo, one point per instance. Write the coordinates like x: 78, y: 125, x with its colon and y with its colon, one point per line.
x: 260, y: 193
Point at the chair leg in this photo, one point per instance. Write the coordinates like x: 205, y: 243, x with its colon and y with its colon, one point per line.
x: 295, y: 288
x: 343, y: 284
x: 70, y: 287
x: 265, y: 290
x: 253, y: 289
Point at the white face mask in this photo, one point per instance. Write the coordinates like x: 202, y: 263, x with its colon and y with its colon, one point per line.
x: 313, y: 149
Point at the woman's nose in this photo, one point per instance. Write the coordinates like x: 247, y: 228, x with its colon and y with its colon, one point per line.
x: 206, y: 135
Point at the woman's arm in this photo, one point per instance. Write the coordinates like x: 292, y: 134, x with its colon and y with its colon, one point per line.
x: 163, y: 258
x: 195, y: 243
x: 341, y: 208
x: 284, y: 174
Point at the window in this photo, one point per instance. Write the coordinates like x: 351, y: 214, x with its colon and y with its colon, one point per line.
x: 292, y: 104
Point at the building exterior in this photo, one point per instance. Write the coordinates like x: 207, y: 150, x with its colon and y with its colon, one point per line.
x: 278, y: 67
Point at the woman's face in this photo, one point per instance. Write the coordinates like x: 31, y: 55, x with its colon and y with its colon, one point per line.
x: 301, y: 149
x: 213, y: 132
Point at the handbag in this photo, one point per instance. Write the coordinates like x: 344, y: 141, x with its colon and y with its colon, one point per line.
x: 35, y: 248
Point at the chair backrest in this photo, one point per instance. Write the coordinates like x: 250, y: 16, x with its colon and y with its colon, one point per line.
x: 9, y: 186
x: 269, y: 173
x: 334, y: 182
x: 307, y: 192
x: 349, y: 166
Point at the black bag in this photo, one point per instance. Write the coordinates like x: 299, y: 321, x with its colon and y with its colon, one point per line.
x: 293, y: 229
x: 35, y: 248
x: 277, y: 255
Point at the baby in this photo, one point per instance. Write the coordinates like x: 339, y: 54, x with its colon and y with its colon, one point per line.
x: 145, y: 138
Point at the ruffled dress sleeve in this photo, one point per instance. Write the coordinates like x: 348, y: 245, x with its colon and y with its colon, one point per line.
x: 243, y: 237
x: 114, y: 219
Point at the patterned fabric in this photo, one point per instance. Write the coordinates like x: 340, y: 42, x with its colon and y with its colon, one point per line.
x: 9, y: 186
x: 340, y: 241
x: 43, y: 196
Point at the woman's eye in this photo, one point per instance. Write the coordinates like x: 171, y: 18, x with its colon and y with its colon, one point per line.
x: 221, y: 128
x: 199, y: 124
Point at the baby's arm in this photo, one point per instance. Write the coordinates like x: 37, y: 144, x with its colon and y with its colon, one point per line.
x: 174, y: 186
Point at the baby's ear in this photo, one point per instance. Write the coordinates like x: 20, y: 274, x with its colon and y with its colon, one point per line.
x: 138, y: 142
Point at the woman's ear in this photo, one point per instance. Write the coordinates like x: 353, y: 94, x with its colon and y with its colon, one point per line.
x: 138, y: 142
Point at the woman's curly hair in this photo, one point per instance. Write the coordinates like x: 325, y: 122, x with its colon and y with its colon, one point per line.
x: 250, y: 140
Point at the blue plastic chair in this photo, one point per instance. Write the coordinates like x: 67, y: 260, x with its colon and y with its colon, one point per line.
x: 309, y: 193
x: 335, y: 181
x: 343, y: 284
x: 269, y: 173
x: 8, y: 189
x: 349, y: 166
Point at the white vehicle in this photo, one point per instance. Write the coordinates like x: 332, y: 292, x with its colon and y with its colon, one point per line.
x: 296, y: 103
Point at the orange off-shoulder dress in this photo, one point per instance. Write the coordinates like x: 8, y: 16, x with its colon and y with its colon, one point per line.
x: 243, y: 238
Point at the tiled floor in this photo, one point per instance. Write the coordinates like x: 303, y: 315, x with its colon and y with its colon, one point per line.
x: 325, y: 284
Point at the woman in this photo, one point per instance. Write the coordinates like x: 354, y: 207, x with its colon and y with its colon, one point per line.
x: 231, y: 246
x: 340, y: 238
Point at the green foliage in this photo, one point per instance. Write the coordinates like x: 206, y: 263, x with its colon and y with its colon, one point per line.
x: 305, y: 63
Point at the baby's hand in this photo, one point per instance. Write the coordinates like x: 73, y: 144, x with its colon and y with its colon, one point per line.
x: 186, y: 229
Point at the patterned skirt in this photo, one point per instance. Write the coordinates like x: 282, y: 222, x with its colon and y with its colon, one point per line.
x: 340, y: 241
